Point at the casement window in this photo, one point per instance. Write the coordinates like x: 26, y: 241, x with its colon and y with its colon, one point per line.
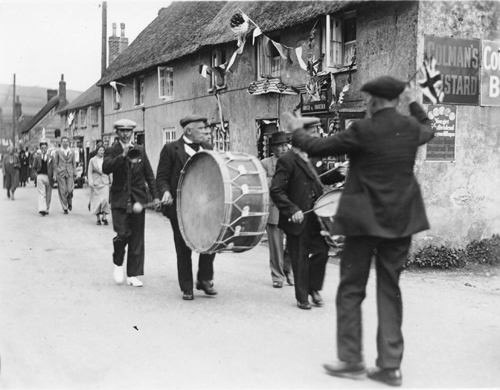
x: 117, y: 99
x: 339, y: 41
x: 168, y: 135
x: 268, y: 59
x: 220, y: 136
x: 139, y: 91
x: 166, y: 82
x: 94, y: 116
x: 217, y: 80
x: 82, y: 120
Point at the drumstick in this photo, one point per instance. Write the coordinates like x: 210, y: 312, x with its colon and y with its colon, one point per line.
x: 314, y: 208
x: 327, y: 172
x: 138, y: 207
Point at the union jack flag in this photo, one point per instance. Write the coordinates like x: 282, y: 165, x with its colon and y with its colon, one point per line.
x: 430, y: 81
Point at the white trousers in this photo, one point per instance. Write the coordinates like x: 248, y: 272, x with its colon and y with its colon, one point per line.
x: 44, y: 192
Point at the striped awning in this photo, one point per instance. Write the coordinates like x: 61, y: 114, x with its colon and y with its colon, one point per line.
x: 270, y: 86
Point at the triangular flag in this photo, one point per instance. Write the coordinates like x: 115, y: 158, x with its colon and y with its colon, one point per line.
x: 280, y: 48
x: 256, y: 33
x: 298, y: 52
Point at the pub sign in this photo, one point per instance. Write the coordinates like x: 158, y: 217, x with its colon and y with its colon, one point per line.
x: 458, y: 62
x: 309, y: 106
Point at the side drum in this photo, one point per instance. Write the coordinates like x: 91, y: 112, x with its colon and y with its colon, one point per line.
x: 325, y: 209
x: 222, y: 202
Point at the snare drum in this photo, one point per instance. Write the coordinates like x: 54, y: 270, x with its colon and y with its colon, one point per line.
x: 222, y: 202
x: 325, y: 209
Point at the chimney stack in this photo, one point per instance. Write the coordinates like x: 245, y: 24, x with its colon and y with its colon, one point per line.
x: 114, y: 46
x: 62, y: 92
x: 123, y: 40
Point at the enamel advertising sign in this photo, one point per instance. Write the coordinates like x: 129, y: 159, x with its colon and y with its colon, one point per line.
x: 490, y: 74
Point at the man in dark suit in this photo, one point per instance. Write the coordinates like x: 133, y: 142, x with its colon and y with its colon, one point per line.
x: 380, y: 208
x: 294, y: 189
x: 173, y: 157
x: 130, y: 175
x: 43, y: 165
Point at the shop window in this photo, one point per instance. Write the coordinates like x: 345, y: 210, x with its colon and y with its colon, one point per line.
x: 268, y: 59
x: 339, y: 41
x: 265, y: 127
x: 139, y: 138
x: 217, y: 80
x: 169, y: 135
x: 220, y: 137
x: 139, y: 91
x: 166, y: 82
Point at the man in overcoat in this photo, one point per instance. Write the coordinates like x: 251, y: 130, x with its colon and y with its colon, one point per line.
x: 130, y: 176
x: 173, y: 157
x: 295, y: 187
x: 279, y: 261
x: 380, y: 209
x: 65, y: 170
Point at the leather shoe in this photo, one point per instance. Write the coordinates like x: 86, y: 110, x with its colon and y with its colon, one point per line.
x: 43, y: 213
x: 346, y: 370
x: 118, y: 274
x: 188, y: 295
x: 389, y: 376
x: 277, y: 284
x: 289, y: 279
x: 133, y: 281
x: 65, y: 211
x: 304, y: 305
x: 316, y: 298
x: 206, y: 286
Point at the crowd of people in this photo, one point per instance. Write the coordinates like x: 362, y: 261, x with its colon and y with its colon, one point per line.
x: 379, y: 210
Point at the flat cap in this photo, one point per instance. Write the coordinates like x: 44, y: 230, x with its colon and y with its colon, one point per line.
x: 279, y: 137
x: 124, y: 124
x: 386, y: 87
x: 191, y: 118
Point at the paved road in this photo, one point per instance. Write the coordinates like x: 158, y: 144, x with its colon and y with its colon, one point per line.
x: 64, y: 323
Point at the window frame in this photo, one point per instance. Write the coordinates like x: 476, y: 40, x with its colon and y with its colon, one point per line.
x: 139, y: 91
x: 166, y: 131
x: 117, y: 105
x: 94, y: 116
x: 217, y: 58
x: 161, y: 86
x: 217, y: 140
x: 82, y: 118
x: 267, y: 62
x: 330, y: 61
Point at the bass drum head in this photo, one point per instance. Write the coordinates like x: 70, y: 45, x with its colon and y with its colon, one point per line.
x: 200, y: 207
x: 327, y: 204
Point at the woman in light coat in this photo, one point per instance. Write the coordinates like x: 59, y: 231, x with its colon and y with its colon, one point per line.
x: 99, y: 188
x: 10, y: 169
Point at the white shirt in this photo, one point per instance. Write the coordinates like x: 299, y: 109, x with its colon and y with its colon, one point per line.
x: 189, y: 150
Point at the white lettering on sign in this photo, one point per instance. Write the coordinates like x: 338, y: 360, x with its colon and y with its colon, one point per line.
x: 494, y: 86
x: 490, y: 73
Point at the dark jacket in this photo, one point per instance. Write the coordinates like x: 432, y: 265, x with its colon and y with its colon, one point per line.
x: 37, y: 166
x: 381, y: 196
x: 173, y: 157
x: 142, y: 177
x: 295, y: 188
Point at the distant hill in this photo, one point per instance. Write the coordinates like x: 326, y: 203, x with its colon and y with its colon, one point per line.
x: 31, y: 98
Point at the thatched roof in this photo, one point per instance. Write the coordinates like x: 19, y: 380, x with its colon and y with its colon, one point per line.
x: 186, y: 27
x: 90, y: 97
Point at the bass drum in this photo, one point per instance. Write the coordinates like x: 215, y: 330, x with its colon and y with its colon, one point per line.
x: 222, y: 202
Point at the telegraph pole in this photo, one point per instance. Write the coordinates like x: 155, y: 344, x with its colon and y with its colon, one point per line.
x: 14, y: 119
x: 103, y: 60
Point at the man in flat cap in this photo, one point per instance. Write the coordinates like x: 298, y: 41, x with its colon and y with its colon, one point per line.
x: 294, y: 189
x: 379, y: 210
x: 173, y: 157
x: 131, y: 169
x: 279, y: 261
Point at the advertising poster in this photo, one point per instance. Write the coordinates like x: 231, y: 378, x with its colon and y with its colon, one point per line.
x: 444, y: 122
x: 490, y: 74
x: 458, y: 62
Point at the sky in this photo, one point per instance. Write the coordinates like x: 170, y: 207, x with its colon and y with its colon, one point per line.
x: 42, y: 39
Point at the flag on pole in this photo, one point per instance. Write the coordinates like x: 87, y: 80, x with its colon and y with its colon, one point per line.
x: 298, y: 52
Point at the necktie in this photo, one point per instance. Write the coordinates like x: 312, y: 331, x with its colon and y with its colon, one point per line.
x: 195, y: 147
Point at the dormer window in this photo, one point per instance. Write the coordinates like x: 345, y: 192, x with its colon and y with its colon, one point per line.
x: 268, y: 59
x: 339, y: 40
